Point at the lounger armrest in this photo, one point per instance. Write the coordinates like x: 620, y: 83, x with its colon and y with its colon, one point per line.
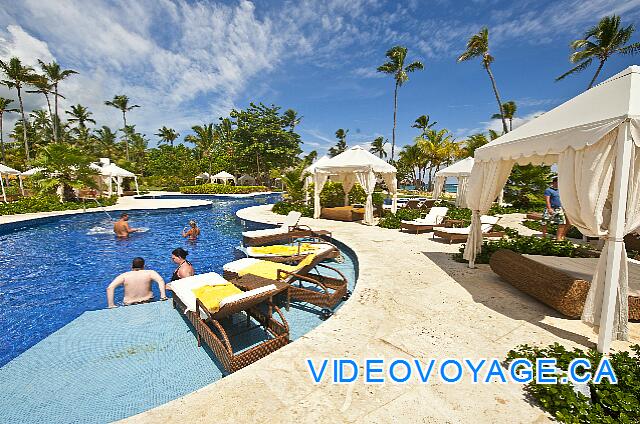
x: 300, y: 227
x: 337, y: 271
x: 450, y: 223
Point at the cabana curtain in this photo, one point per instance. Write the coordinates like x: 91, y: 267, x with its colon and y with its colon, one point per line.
x: 348, y: 181
x: 319, y: 179
x: 391, y: 182
x: 367, y: 180
x: 595, y: 140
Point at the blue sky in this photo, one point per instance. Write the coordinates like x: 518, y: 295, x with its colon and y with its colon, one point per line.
x: 189, y: 62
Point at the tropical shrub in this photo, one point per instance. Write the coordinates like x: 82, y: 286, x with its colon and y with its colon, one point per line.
x: 552, y: 228
x: 283, y: 208
x: 221, y: 189
x: 525, y: 186
x: 390, y: 220
x: 163, y: 182
x: 48, y: 203
x: 531, y: 245
x: 606, y: 402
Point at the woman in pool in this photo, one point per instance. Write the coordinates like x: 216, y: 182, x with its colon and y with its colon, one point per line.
x: 184, y: 269
x: 192, y: 232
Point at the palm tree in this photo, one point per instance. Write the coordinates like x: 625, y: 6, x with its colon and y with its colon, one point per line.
x: 167, y: 135
x: 436, y: 147
x: 19, y: 75
x: 291, y: 118
x: 411, y: 157
x: 377, y: 147
x: 205, y: 139
x: 55, y: 74
x: 80, y: 115
x: 311, y: 157
x: 121, y: 102
x: 509, y: 110
x: 395, y: 66
x: 477, y: 140
x: 608, y: 38
x: 42, y: 85
x: 341, y: 145
x: 478, y: 46
x: 293, y: 181
x: 105, y: 140
x: 423, y: 124
x: 4, y: 107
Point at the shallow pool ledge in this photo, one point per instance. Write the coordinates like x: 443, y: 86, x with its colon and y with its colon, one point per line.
x: 403, y: 306
x: 124, y: 204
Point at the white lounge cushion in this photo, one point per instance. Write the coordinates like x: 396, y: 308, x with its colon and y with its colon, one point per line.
x: 265, y: 232
x: 183, y: 288
x: 245, y: 295
x: 239, y: 265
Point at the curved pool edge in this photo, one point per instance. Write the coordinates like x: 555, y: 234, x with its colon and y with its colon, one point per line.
x: 12, y: 222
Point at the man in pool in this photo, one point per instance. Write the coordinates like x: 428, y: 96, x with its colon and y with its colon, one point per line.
x: 121, y: 227
x: 137, y: 285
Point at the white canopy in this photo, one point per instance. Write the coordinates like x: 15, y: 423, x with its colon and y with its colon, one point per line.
x: 113, y: 173
x: 595, y: 140
x: 223, y: 176
x: 204, y: 176
x: 5, y: 170
x: 461, y: 170
x: 246, y: 179
x: 308, y: 174
x: 31, y: 172
x: 355, y: 164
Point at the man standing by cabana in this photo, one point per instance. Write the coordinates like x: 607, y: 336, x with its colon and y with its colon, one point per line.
x: 554, y: 213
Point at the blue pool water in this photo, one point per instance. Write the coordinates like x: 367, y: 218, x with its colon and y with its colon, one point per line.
x: 72, y: 361
x: 52, y: 272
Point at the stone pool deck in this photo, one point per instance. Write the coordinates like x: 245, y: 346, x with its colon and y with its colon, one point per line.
x: 124, y: 203
x: 411, y: 301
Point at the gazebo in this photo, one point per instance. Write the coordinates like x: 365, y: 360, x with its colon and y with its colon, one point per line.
x: 246, y: 180
x: 308, y: 174
x: 351, y: 166
x: 111, y: 173
x: 223, y: 176
x: 595, y: 140
x: 461, y: 170
x: 204, y: 176
x: 5, y: 171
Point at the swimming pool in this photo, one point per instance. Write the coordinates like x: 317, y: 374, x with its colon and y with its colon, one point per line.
x: 52, y: 272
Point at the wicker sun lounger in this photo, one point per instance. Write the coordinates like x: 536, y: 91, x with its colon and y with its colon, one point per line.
x: 433, y: 218
x: 561, y: 283
x: 304, y: 285
x: 326, y: 249
x: 257, y: 306
x: 288, y: 230
x: 461, y: 235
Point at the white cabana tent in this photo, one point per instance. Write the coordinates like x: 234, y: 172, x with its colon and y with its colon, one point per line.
x: 351, y: 166
x: 246, y: 180
x: 204, y: 176
x: 4, y: 171
x: 223, y: 176
x: 461, y: 170
x: 308, y: 174
x: 31, y: 172
x: 595, y: 140
x: 111, y: 173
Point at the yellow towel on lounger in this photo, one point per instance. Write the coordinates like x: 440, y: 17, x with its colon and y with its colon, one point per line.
x: 211, y: 296
x: 283, y: 249
x: 267, y: 269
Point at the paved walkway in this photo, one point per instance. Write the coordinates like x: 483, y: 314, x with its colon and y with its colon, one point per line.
x: 411, y: 301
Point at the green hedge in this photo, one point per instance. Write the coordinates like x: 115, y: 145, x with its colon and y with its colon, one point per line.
x: 531, y: 245
x: 552, y: 228
x: 221, y: 189
x: 390, y: 220
x: 283, y: 208
x: 163, y: 182
x: 606, y: 403
x: 50, y: 203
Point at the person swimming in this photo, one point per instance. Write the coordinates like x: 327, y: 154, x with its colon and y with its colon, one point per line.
x: 137, y: 285
x: 184, y: 269
x: 193, y: 232
x: 121, y: 227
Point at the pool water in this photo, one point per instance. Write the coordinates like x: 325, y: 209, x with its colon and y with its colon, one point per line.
x: 50, y: 273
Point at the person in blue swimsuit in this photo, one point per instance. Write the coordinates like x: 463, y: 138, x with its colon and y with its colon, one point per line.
x: 554, y: 213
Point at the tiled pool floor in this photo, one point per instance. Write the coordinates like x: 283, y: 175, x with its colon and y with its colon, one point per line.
x: 110, y: 364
